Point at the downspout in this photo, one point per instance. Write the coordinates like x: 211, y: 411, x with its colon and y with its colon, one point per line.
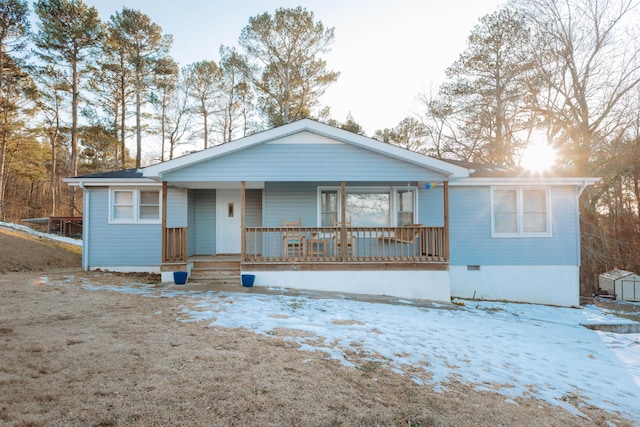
x: 579, y: 192
x: 85, y: 226
x: 582, y: 188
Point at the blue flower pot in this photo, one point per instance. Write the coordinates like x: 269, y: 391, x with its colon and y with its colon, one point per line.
x: 180, y: 277
x: 247, y: 280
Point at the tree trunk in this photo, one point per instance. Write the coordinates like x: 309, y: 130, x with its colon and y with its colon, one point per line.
x: 123, y: 115
x: 3, y: 149
x: 74, y: 134
x: 138, y: 122
x: 53, y: 138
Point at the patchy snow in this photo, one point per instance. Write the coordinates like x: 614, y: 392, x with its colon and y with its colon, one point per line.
x: 37, y: 233
x: 513, y: 349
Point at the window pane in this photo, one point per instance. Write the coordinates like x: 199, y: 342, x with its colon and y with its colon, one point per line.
x: 329, y: 208
x: 328, y: 219
x: 405, y: 207
x: 123, y: 212
x: 149, y: 212
x: 405, y: 218
x: 504, y: 200
x: 149, y: 198
x: 505, y: 222
x: 368, y: 209
x: 123, y: 197
x: 535, y: 222
x: 405, y: 201
x: 535, y: 200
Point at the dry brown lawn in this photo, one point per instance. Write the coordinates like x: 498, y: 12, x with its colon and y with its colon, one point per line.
x: 71, y: 357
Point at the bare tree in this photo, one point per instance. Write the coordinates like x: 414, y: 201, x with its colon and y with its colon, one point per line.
x: 588, y: 63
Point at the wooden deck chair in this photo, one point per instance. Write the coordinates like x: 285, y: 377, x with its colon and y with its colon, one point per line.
x: 406, y: 234
x: 293, y: 239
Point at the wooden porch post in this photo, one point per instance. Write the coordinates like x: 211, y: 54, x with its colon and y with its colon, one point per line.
x: 446, y: 220
x: 243, y: 188
x: 343, y: 223
x: 164, y: 221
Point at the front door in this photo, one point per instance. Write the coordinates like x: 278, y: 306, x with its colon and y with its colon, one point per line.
x: 228, y: 221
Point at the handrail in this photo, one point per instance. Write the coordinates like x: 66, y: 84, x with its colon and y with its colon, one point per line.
x: 413, y: 243
x: 175, y: 245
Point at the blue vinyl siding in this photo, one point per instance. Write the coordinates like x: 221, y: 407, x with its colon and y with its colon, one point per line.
x: 253, y: 208
x: 116, y: 245
x: 303, y: 162
x: 472, y: 244
x: 177, y: 207
x: 290, y: 201
x: 205, y: 222
x: 191, y: 223
x: 431, y: 207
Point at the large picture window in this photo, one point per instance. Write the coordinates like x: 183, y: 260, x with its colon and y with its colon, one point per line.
x: 519, y: 212
x: 368, y: 206
x: 128, y: 206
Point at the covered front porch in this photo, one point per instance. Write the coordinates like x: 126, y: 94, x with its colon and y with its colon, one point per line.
x: 340, y: 246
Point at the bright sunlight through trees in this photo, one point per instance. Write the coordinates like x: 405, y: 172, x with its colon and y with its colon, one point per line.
x: 539, y: 156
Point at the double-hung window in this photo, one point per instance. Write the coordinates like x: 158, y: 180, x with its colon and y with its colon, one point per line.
x: 368, y: 206
x: 134, y: 205
x: 520, y: 212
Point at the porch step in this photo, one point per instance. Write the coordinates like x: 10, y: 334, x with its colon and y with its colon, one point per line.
x: 217, y: 270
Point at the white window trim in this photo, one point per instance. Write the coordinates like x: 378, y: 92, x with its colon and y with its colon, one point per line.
x: 136, y: 206
x: 393, y: 200
x: 520, y: 233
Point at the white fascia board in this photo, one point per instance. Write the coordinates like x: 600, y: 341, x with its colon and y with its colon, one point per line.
x: 322, y: 129
x: 574, y: 181
x: 104, y: 182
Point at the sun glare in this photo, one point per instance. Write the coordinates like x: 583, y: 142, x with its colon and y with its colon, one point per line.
x: 539, y: 157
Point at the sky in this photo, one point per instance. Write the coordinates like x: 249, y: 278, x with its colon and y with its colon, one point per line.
x: 530, y: 350
x: 387, y: 52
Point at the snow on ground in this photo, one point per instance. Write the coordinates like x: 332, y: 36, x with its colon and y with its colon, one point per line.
x: 33, y: 232
x: 514, y: 349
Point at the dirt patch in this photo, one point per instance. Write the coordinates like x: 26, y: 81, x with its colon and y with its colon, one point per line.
x: 73, y: 357
x: 23, y: 252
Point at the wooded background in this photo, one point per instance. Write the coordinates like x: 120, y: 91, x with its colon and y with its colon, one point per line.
x: 76, y: 92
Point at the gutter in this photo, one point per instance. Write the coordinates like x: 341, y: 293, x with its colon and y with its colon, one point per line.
x: 85, y: 225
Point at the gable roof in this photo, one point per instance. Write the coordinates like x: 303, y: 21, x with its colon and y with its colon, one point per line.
x: 306, y: 125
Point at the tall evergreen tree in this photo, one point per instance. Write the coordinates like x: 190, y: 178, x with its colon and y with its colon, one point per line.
x: 14, y: 29
x: 143, y: 45
x: 203, y: 80
x: 282, y: 62
x: 236, y: 98
x: 486, y: 87
x: 165, y: 81
x: 69, y: 32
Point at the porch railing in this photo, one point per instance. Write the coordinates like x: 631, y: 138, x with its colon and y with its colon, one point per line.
x: 174, y: 245
x: 413, y: 243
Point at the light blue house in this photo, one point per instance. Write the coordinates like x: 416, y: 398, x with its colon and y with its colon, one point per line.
x: 309, y: 206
